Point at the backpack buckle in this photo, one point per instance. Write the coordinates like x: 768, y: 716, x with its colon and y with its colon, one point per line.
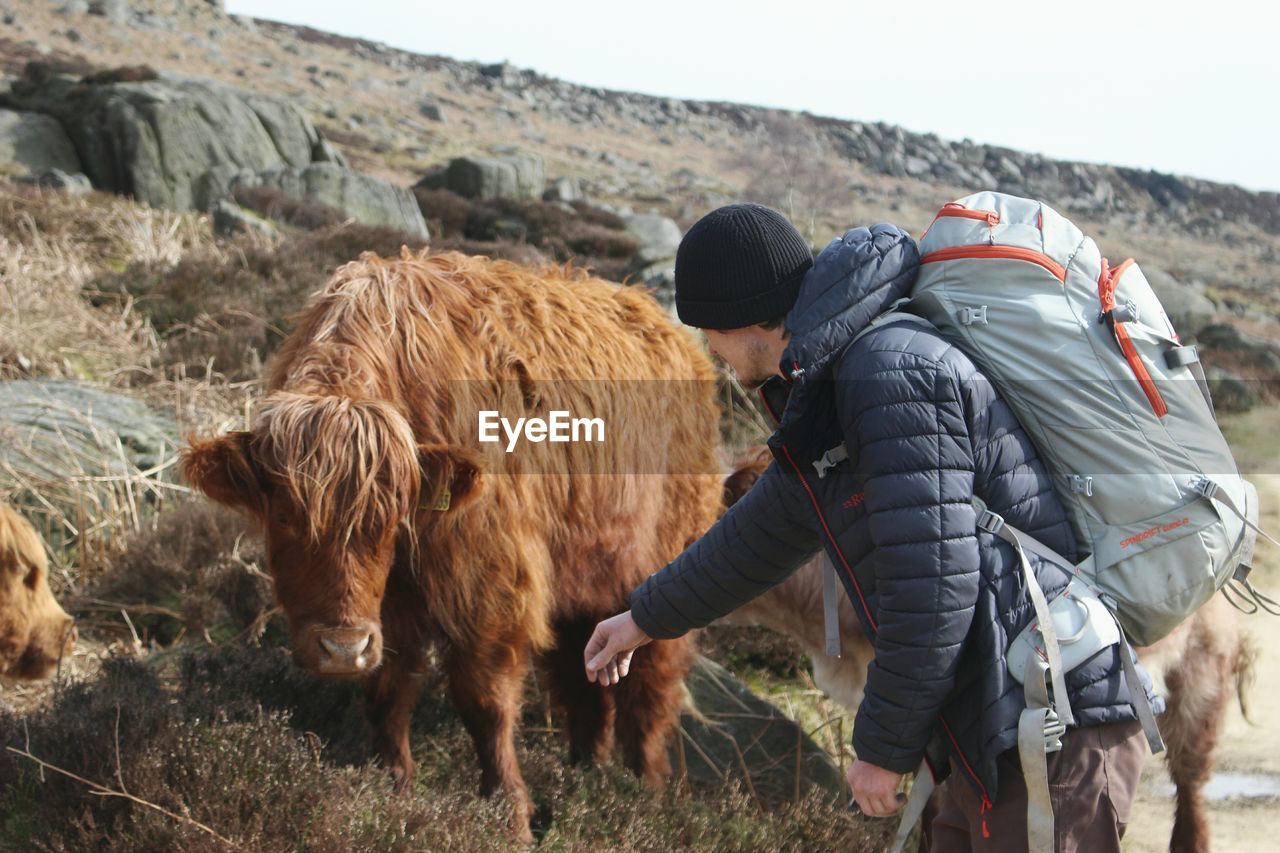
x: 830, y: 459
x: 990, y: 521
x: 1082, y: 484
x: 1206, y: 488
x: 969, y: 316
x: 1054, y: 729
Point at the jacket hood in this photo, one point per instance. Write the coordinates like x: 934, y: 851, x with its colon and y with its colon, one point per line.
x: 854, y: 279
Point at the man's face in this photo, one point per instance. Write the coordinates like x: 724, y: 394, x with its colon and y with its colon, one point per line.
x: 752, y: 353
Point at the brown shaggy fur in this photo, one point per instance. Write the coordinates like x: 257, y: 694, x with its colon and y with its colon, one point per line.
x: 371, y: 414
x: 1202, y: 665
x: 35, y: 633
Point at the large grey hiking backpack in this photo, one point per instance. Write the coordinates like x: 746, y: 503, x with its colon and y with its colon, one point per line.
x: 1119, y: 411
x: 1115, y: 403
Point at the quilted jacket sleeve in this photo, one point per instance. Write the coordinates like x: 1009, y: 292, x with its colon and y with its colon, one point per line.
x: 758, y: 543
x: 904, y: 413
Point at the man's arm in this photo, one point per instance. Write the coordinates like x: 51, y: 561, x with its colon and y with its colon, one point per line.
x: 758, y: 543
x: 905, y: 414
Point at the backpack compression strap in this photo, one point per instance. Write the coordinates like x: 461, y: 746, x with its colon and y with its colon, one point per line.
x: 994, y: 524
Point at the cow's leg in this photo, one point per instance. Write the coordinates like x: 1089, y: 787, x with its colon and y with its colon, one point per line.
x: 390, y: 694
x: 648, y: 705
x: 1199, y: 690
x: 485, y: 685
x: 588, y: 707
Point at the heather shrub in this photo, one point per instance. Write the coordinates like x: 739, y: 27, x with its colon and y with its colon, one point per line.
x: 273, y: 203
x: 225, y: 312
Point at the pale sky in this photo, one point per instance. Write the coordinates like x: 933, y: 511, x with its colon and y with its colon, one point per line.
x: 1188, y: 88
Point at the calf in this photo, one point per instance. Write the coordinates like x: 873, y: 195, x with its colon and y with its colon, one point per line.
x: 35, y: 633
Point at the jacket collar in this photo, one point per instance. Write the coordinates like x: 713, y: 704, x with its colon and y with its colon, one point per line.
x: 854, y: 280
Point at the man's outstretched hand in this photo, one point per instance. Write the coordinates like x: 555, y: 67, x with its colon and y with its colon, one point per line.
x: 613, y: 642
x: 875, y: 789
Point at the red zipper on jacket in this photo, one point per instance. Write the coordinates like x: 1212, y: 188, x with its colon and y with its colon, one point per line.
x: 867, y: 610
x: 1107, y: 282
x: 834, y: 544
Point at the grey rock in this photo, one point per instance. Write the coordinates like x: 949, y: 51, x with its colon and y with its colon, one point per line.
x: 48, y: 427
x: 737, y: 734
x: 36, y: 141
x: 74, y: 184
x: 659, y: 277
x: 115, y: 11
x: 230, y: 219
x: 564, y: 189
x: 75, y: 7
x: 516, y: 176
x: 430, y: 109
x: 156, y: 140
x: 1186, y: 305
x: 324, y: 151
x: 658, y: 236
x: 1230, y: 392
x: 366, y: 199
x: 917, y: 166
x: 1260, y: 353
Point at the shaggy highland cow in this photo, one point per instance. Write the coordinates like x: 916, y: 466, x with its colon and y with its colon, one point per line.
x: 390, y: 526
x: 35, y: 632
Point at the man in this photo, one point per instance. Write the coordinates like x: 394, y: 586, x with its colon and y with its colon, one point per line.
x: 924, y: 432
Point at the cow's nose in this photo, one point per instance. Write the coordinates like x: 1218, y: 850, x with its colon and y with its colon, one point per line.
x: 347, y: 650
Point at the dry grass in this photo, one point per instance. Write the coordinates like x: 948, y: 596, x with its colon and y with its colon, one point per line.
x: 51, y: 245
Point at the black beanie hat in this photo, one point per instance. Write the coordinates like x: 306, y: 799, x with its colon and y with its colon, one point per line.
x: 739, y: 265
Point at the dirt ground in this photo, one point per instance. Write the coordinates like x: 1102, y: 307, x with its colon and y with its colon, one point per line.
x: 1244, y: 793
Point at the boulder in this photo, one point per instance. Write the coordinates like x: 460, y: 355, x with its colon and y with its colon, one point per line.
x: 660, y: 276
x: 734, y: 734
x: 324, y: 151
x: 158, y: 139
x: 74, y: 184
x: 658, y: 236
x: 430, y: 110
x: 230, y: 219
x: 1260, y: 353
x: 36, y: 142
x: 1188, y: 308
x: 82, y: 458
x: 564, y: 189
x: 115, y: 11
x: 653, y: 264
x: 364, y: 198
x: 514, y: 176
x: 1230, y: 392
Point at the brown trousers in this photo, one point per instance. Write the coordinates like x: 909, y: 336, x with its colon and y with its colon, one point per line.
x: 1092, y: 781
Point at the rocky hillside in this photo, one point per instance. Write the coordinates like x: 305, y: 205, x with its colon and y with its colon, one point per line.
x: 354, y: 122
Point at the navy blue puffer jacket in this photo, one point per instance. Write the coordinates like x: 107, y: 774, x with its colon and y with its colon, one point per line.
x: 940, y: 600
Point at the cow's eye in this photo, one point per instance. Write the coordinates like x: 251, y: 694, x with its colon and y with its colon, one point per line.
x: 32, y: 579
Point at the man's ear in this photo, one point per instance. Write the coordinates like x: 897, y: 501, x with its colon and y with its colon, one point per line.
x: 221, y: 468
x: 450, y: 469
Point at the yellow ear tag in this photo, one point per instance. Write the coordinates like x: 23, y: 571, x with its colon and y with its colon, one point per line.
x: 446, y: 498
